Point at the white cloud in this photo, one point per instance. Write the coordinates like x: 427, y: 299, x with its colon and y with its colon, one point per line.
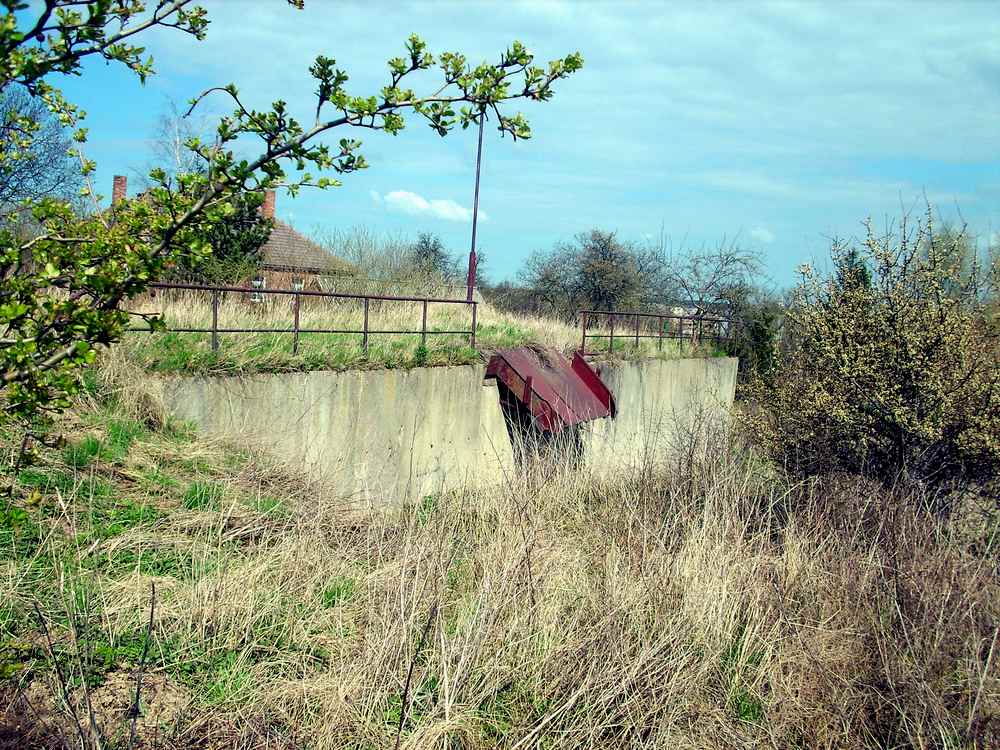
x: 376, y: 198
x: 414, y: 204
x: 762, y: 234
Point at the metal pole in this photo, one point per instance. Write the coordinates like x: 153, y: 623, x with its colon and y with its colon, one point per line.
x: 423, y: 326
x: 611, y: 340
x: 583, y: 325
x: 364, y: 336
x: 470, y: 281
x: 659, y: 343
x: 295, y: 339
x: 472, y: 337
x: 215, y: 320
x: 637, y: 331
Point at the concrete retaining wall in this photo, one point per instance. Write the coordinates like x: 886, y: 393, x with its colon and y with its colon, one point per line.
x: 392, y: 435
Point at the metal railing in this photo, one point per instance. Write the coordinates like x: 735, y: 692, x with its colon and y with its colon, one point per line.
x: 296, y: 329
x: 694, y: 328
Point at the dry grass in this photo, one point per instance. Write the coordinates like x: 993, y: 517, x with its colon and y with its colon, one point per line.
x: 696, y: 602
x: 270, y: 352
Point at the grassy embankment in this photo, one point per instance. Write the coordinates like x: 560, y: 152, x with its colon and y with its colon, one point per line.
x: 272, y: 352
x: 701, y: 602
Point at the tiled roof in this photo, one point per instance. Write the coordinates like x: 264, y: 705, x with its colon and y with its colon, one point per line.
x: 287, y: 250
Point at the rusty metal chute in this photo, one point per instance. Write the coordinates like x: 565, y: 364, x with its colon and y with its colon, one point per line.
x: 557, y: 392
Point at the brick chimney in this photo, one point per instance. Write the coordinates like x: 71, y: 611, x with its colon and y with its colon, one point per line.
x: 118, y: 192
x: 267, y: 207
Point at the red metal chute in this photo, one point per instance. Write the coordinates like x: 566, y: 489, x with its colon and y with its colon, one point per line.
x: 558, y: 393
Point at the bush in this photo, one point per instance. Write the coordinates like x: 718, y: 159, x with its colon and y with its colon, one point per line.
x: 893, y: 372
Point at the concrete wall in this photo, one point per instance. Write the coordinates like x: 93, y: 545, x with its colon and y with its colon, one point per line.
x: 390, y: 435
x: 655, y: 399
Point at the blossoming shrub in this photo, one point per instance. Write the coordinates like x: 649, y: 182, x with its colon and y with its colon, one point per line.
x: 894, y: 371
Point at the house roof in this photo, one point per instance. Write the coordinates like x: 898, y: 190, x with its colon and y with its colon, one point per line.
x: 287, y: 250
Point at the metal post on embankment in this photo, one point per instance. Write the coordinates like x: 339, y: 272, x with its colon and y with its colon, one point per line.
x: 295, y: 336
x: 364, y: 334
x: 215, y: 320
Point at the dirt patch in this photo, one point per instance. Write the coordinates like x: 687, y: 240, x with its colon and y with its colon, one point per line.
x: 36, y: 717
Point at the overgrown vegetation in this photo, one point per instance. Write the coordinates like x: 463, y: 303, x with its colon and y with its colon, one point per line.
x: 894, y: 368
x: 699, y: 601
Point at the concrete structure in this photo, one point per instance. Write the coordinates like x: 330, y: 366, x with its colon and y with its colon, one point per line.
x: 393, y: 435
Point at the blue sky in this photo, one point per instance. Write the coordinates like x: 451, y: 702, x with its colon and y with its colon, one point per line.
x: 781, y: 124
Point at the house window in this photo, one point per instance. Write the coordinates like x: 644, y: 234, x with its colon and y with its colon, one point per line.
x: 298, y: 283
x: 257, y: 283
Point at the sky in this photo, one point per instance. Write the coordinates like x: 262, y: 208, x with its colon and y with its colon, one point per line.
x: 779, y: 125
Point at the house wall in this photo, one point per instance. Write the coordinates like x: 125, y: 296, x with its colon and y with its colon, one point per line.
x: 386, y: 436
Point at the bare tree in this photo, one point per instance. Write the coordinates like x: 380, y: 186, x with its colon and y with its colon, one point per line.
x: 168, y: 143
x: 46, y: 169
x: 708, y: 277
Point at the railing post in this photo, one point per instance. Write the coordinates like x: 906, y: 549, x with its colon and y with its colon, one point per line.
x: 423, y: 324
x: 215, y: 320
x: 637, y: 330
x: 364, y: 335
x: 583, y: 325
x: 472, y: 337
x: 295, y: 339
x: 611, y: 338
x: 659, y: 343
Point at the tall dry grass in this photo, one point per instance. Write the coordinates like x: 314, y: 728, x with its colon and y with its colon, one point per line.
x: 394, y: 340
x: 192, y: 309
x: 697, y: 601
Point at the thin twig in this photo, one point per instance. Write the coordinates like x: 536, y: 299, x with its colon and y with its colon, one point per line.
x: 982, y: 682
x: 404, y: 707
x: 98, y: 737
x: 63, y: 684
x: 134, y: 709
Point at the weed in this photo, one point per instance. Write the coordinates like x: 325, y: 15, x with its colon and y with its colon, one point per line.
x: 420, y: 356
x: 203, y: 496
x: 111, y: 520
x: 156, y: 481
x: 19, y: 534
x: 229, y: 681
x: 47, y: 480
x: 79, y: 455
x: 121, y: 434
x: 338, y: 591
x: 746, y: 706
x: 269, y: 505
x: 425, y: 509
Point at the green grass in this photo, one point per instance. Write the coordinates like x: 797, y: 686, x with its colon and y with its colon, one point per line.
x: 111, y: 520
x: 98, y: 513
x: 202, y: 495
x: 191, y: 353
x: 120, y: 434
x: 738, y: 668
x: 269, y: 505
x: 338, y: 591
x: 79, y: 455
x: 47, y: 480
x: 228, y: 681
